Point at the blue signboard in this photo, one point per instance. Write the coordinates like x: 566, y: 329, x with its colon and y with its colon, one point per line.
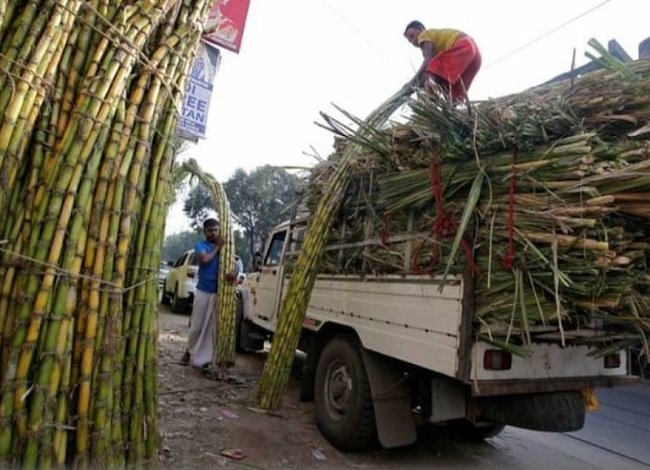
x: 194, y: 120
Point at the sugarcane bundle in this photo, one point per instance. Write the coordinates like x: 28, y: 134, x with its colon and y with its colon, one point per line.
x: 543, y: 194
x: 91, y: 92
x: 226, y: 294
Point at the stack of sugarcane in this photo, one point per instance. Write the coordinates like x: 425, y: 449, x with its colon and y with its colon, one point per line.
x: 225, y: 334
x: 543, y: 194
x: 90, y: 93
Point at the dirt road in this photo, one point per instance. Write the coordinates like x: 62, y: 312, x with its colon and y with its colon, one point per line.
x: 201, y: 417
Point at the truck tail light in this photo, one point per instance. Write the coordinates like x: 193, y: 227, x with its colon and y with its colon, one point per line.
x: 191, y: 274
x: 612, y: 361
x: 494, y: 359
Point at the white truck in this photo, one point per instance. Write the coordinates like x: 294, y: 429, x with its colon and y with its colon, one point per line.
x: 385, y: 352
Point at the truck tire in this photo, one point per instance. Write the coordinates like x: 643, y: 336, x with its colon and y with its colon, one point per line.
x: 344, y: 408
x: 474, y: 431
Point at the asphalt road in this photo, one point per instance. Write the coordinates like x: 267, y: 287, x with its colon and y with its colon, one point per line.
x: 617, y: 436
x: 621, y: 427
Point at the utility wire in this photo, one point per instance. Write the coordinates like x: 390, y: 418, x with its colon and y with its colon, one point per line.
x: 357, y: 31
x: 548, y: 33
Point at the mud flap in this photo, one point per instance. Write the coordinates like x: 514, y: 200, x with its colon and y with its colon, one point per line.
x: 391, y: 398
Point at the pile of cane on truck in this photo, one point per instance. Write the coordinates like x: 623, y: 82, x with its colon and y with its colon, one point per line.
x: 542, y: 197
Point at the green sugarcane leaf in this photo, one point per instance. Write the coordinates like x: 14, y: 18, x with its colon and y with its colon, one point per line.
x: 470, y: 206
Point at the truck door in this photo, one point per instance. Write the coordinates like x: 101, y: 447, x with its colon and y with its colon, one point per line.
x: 267, y: 289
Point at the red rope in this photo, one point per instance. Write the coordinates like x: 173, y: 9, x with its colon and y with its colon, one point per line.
x: 509, y: 259
x: 443, y: 227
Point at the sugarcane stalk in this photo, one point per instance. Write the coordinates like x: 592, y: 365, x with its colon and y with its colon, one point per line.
x: 21, y: 110
x: 278, y: 365
x: 25, y: 31
x: 99, y: 261
x: 3, y: 16
x: 61, y: 414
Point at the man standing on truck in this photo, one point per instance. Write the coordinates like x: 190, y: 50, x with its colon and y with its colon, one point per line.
x: 201, y: 338
x: 451, y: 60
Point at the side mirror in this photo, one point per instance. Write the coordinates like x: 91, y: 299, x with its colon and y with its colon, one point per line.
x: 257, y: 261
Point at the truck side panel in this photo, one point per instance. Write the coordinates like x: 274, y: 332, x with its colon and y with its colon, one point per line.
x: 408, y: 319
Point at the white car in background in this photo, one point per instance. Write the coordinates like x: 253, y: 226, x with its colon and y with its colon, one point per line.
x: 180, y: 284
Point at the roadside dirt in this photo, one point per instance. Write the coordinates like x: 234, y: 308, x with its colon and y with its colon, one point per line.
x: 201, y: 417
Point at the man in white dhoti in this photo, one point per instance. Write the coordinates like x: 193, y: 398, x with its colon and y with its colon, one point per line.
x: 203, y: 327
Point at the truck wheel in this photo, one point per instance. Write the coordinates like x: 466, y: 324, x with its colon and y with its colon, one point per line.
x: 474, y: 431
x: 177, y: 306
x: 344, y: 409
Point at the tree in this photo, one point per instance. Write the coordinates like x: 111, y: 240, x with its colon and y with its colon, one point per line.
x: 259, y: 200
x: 197, y: 206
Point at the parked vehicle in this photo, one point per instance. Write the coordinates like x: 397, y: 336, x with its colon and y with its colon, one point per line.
x: 179, y: 285
x: 163, y: 270
x: 387, y: 351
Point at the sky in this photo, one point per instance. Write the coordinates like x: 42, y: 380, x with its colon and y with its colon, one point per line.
x: 298, y: 57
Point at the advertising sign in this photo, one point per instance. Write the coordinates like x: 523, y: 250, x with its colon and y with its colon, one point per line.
x: 194, y: 120
x: 226, y: 22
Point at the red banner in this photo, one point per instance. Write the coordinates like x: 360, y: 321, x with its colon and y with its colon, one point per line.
x: 226, y: 22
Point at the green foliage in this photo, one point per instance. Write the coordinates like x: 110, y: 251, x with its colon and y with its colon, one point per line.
x: 178, y: 243
x: 260, y: 200
x: 197, y: 206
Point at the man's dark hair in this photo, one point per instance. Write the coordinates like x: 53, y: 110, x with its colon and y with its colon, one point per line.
x: 209, y: 223
x: 413, y: 24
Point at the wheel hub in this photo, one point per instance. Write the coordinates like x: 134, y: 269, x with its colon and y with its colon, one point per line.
x: 339, y: 389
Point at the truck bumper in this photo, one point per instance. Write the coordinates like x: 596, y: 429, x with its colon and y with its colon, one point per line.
x: 485, y: 388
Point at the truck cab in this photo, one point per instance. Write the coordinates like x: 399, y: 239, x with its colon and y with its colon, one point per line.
x: 386, y: 352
